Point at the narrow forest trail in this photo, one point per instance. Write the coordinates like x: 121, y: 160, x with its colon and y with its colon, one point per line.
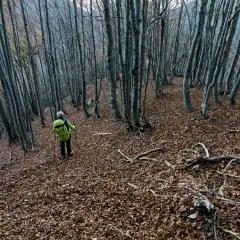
x: 96, y: 194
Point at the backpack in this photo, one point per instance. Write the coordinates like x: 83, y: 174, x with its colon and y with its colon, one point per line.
x: 62, y: 129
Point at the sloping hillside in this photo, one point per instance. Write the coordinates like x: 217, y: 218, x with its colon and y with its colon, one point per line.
x: 98, y: 194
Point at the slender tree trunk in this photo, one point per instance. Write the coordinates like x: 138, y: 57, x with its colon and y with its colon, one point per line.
x: 187, y: 76
x: 135, y: 14
x: 10, y: 90
x: 232, y: 97
x: 83, y: 64
x: 127, y: 66
x: 228, y: 45
x: 231, y: 71
x: 33, y: 66
x: 113, y: 93
x: 143, y: 53
x: 176, y: 42
x: 95, y: 64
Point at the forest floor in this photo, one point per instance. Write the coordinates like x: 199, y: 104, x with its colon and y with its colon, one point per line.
x: 98, y: 194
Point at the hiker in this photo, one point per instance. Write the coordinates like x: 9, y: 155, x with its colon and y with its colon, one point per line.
x: 62, y: 127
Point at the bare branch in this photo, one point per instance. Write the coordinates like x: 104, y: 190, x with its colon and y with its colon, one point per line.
x: 228, y: 165
x: 229, y: 175
x: 233, y: 130
x: 147, y: 153
x: 148, y: 159
x: 100, y: 134
x: 160, y: 15
x: 234, y: 15
x: 204, y: 147
x: 129, y: 159
x: 155, y: 195
x: 132, y: 185
x: 228, y: 201
x: 236, y: 235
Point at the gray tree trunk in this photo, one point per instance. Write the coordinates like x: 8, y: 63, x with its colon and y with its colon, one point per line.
x: 187, y: 75
x: 113, y: 92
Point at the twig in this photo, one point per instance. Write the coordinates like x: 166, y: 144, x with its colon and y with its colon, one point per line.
x: 214, y: 190
x: 156, y: 195
x: 204, y: 147
x: 196, y: 192
x: 220, y: 191
x: 10, y: 155
x: 160, y: 15
x: 191, y: 151
x: 225, y: 178
x: 148, y: 159
x: 229, y: 175
x: 229, y: 201
x: 236, y: 235
x: 170, y: 165
x: 141, y: 156
x: 120, y: 231
x: 99, y: 134
x: 232, y: 130
x: 147, y: 152
x: 228, y: 165
x: 132, y: 185
x: 129, y: 159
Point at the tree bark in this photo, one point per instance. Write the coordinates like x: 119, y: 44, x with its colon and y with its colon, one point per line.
x: 113, y: 92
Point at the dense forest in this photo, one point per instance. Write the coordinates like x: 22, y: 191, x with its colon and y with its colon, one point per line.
x: 150, y: 91
x: 52, y: 49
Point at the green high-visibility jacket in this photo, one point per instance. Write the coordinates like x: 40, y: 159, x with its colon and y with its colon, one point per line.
x: 62, y: 128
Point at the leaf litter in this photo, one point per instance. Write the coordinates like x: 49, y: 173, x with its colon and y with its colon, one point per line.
x: 98, y: 194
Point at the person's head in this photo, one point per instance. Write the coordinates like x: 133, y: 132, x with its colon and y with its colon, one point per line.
x: 60, y: 115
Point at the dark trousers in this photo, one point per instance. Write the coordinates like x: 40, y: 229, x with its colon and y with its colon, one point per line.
x: 62, y: 145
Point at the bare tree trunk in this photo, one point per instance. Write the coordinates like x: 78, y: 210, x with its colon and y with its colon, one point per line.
x: 135, y: 14
x: 143, y: 53
x: 95, y: 64
x: 127, y: 66
x: 232, y: 97
x: 82, y: 57
x: 187, y: 76
x: 53, y: 76
x: 176, y: 42
x: 231, y: 71
x: 31, y: 51
x: 113, y: 93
